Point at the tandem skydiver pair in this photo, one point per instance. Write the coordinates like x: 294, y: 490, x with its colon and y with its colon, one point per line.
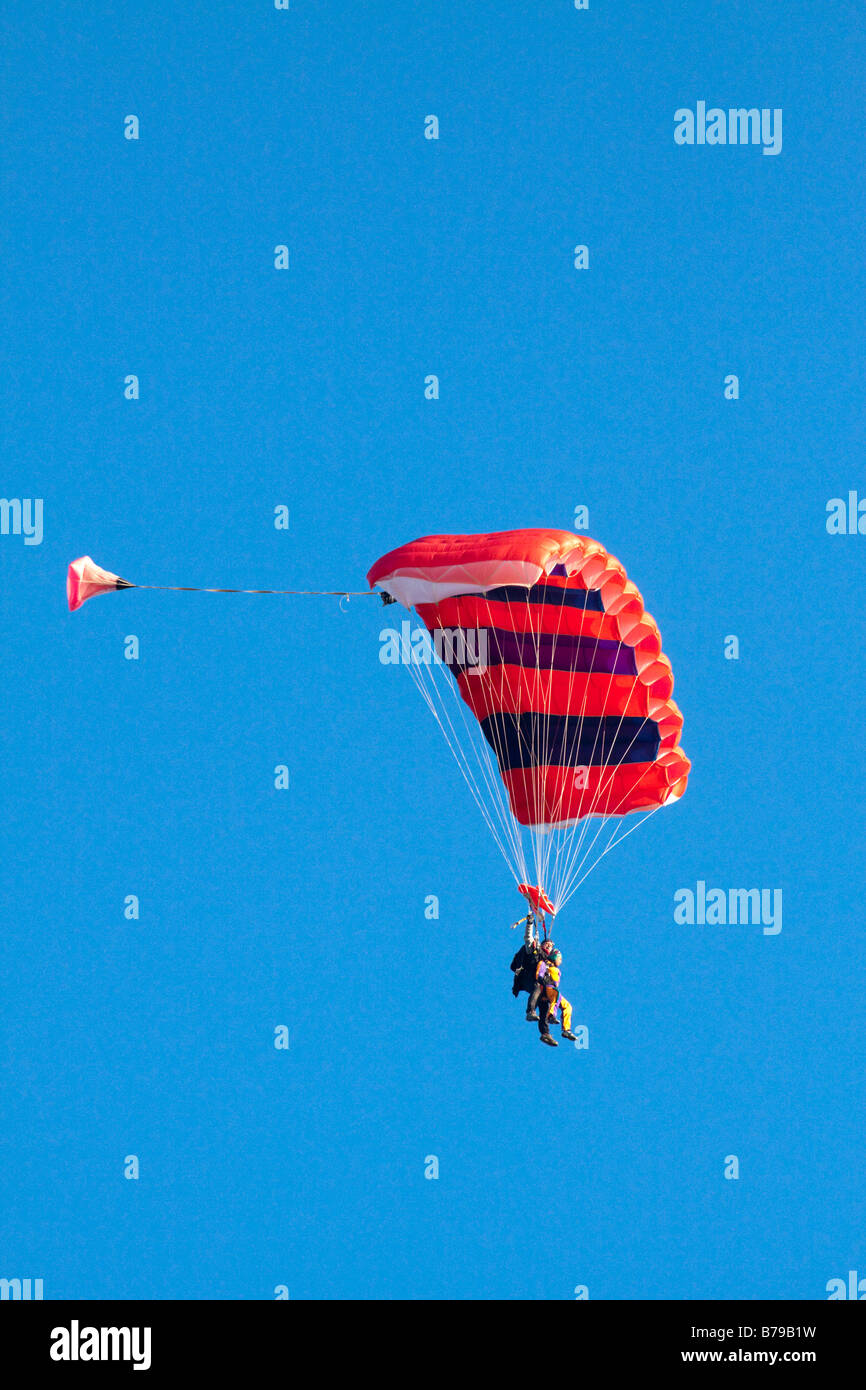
x: 537, y: 969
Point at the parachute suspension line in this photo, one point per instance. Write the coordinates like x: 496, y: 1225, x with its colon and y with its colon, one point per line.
x: 608, y: 813
x: 487, y: 763
x: 614, y: 841
x: 617, y: 840
x: 417, y: 671
x: 490, y: 769
x: 446, y: 726
x: 492, y: 759
x: 430, y: 699
x: 574, y: 867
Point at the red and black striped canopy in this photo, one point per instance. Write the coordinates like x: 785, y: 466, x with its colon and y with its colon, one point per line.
x: 553, y: 651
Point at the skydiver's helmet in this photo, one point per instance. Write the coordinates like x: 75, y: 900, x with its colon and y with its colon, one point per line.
x: 557, y: 958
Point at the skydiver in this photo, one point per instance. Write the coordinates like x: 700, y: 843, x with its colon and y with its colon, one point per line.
x: 545, y: 953
x: 525, y: 964
x: 549, y: 974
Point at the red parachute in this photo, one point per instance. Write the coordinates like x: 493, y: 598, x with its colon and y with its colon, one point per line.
x: 549, y: 646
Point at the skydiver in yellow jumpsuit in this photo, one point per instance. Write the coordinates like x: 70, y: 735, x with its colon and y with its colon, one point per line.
x: 549, y: 976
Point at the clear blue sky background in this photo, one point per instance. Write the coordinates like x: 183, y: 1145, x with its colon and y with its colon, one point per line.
x: 306, y: 907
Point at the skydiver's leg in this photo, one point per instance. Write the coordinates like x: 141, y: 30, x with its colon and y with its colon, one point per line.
x: 543, y: 1013
x: 566, y: 1021
x: 533, y: 989
x: 543, y: 1025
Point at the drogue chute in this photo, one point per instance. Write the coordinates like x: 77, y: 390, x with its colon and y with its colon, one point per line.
x: 85, y: 579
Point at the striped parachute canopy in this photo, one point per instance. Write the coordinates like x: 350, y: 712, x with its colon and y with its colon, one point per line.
x: 565, y: 723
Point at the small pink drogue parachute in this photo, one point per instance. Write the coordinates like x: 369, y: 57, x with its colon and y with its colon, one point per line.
x: 85, y: 579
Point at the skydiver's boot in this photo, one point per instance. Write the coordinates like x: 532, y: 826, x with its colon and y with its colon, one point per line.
x: 568, y: 1035
x: 551, y: 1042
x: 531, y: 1016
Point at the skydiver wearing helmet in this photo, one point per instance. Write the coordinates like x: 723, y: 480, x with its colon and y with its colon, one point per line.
x: 549, y: 974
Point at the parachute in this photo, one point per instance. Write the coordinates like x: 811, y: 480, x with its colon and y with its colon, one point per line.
x: 547, y: 677
x: 85, y: 579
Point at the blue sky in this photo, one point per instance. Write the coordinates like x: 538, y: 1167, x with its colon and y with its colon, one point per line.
x: 154, y: 777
